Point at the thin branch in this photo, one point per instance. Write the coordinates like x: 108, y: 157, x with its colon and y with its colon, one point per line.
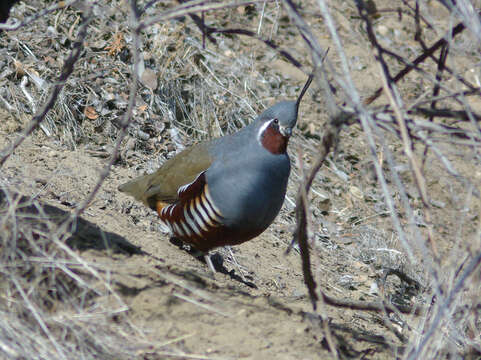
x: 318, y: 54
x: 445, y: 113
x: 212, y: 30
x: 124, y: 124
x: 469, y: 270
x: 38, y: 318
x: 200, y: 22
x: 378, y: 307
x: 194, y: 7
x: 67, y: 70
x: 328, y: 142
x: 407, y: 69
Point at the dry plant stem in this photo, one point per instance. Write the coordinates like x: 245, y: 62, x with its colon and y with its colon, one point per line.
x: 39, y: 319
x: 308, y: 221
x: 329, y: 139
x: 417, y: 21
x: 327, y: 330
x: 64, y: 228
x: 318, y: 54
x: 67, y: 70
x: 441, y: 66
x: 441, y: 61
x: 366, y: 123
x: 417, y: 15
x: 211, y: 30
x: 378, y: 307
x: 408, y: 146
x: 17, y: 25
x: 473, y: 266
x: 388, y: 323
x: 199, y: 21
x: 124, y: 124
x: 367, y: 126
x: 410, y: 214
x: 459, y: 115
x: 193, y: 7
x: 173, y: 341
x: 466, y: 9
x: 395, y: 101
x: 443, y: 56
x: 428, y: 53
x: 388, y: 86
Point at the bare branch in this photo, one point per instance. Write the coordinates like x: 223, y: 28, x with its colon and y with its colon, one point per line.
x: 67, y: 70
x: 194, y: 7
x: 469, y: 270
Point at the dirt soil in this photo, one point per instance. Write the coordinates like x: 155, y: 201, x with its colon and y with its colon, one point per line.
x: 258, y: 308
x: 171, y: 295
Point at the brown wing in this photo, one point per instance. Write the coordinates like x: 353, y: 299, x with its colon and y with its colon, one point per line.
x: 196, y: 220
x: 164, y: 184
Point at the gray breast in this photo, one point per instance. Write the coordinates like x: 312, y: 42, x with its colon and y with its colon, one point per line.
x: 247, y: 184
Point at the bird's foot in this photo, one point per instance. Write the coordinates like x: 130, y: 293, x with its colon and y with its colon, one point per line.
x: 208, y: 261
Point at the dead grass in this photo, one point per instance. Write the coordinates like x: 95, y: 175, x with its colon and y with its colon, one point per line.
x: 49, y: 294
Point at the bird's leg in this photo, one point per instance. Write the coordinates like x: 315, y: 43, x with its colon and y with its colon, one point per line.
x: 208, y: 261
x: 206, y: 255
x: 241, y: 272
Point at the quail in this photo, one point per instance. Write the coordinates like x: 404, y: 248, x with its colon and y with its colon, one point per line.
x: 228, y: 190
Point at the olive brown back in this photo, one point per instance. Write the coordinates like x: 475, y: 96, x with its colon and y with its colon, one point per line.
x: 163, y: 184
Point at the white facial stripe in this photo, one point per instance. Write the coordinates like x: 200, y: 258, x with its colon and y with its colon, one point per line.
x: 191, y: 222
x: 211, y: 203
x: 262, y: 129
x: 199, y: 216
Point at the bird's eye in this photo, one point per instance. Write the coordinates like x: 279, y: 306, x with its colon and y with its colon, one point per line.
x: 276, y: 121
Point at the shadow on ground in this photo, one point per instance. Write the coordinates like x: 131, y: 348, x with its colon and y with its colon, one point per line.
x: 85, y: 235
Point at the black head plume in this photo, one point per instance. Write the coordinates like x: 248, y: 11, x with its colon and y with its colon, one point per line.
x: 304, y: 89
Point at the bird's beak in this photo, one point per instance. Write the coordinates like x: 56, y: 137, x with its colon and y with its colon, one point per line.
x: 285, y: 131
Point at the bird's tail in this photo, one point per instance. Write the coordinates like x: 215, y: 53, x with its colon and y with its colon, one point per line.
x: 138, y: 188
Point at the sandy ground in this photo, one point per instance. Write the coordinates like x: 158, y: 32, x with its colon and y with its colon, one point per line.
x: 170, y: 294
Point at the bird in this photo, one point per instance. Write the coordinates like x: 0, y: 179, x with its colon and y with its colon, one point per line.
x: 228, y: 190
